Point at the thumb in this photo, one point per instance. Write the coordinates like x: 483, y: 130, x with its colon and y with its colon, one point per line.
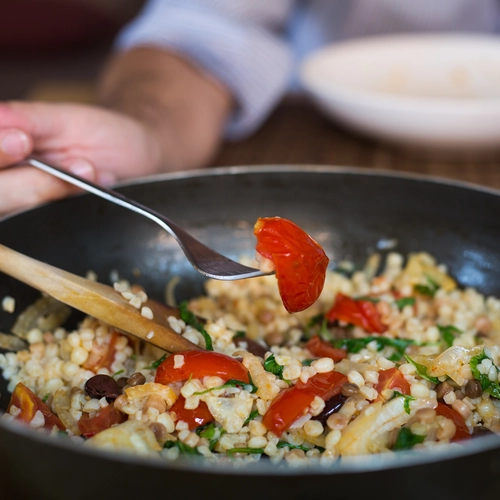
x: 15, y: 145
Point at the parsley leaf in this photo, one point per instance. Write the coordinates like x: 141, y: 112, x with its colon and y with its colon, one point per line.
x: 284, y: 444
x: 190, y: 319
x: 404, y: 301
x: 245, y: 450
x: 430, y: 289
x: 355, y: 345
x: 271, y: 366
x: 407, y: 400
x: 422, y: 371
x: 183, y: 448
x: 491, y: 387
x: 406, y: 440
x: 448, y: 333
x: 252, y: 415
x: 211, y: 432
x: 367, y: 298
x: 251, y: 388
x: 155, y: 364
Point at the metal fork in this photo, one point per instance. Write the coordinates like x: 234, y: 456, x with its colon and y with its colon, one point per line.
x: 204, y: 259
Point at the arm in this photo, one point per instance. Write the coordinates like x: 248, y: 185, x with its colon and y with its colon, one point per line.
x: 183, y: 108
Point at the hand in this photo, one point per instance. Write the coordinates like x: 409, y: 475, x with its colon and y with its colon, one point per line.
x: 94, y: 143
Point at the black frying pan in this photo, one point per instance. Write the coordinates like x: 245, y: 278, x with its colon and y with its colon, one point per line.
x: 351, y: 213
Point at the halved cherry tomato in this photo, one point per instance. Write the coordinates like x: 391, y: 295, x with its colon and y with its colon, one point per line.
x: 299, y: 261
x: 106, y: 418
x: 362, y: 313
x: 194, y: 418
x: 199, y: 364
x: 29, y: 403
x: 462, y: 431
x: 391, y: 379
x: 293, y: 402
x: 323, y: 349
x: 102, y: 356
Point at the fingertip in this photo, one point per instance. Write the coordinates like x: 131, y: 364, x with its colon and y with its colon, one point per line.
x: 14, y: 144
x: 82, y: 168
x: 106, y: 178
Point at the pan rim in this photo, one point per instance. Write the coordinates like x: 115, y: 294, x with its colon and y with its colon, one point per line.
x: 362, y: 464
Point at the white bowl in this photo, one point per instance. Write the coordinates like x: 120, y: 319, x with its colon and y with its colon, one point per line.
x: 428, y: 91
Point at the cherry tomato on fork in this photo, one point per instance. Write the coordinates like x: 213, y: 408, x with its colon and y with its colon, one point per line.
x: 299, y: 261
x: 198, y: 364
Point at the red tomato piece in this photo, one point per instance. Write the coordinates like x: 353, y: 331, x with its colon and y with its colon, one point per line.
x: 299, y: 261
x: 293, y: 402
x: 102, y: 356
x: 362, y: 313
x: 391, y: 379
x: 106, y: 418
x: 29, y: 403
x: 462, y: 431
x: 199, y: 364
x: 323, y: 349
x: 194, y: 418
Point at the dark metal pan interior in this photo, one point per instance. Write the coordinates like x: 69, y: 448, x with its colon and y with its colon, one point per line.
x: 351, y: 212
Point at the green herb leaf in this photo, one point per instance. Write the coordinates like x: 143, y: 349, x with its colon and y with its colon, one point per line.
x: 404, y: 301
x: 284, y: 444
x: 252, y: 415
x: 316, y: 320
x: 240, y: 334
x: 245, y: 450
x: 355, y: 345
x: 449, y: 333
x: 406, y: 440
x: 46, y: 397
x: 119, y: 372
x: 211, y: 432
x: 155, y: 364
x: 251, y: 388
x: 190, y: 319
x: 430, y: 289
x: 368, y: 299
x: 491, y: 387
x: 422, y: 370
x: 183, y: 448
x: 407, y: 399
x: 271, y: 366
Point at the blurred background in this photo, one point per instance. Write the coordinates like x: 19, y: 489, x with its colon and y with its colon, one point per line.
x: 54, y: 49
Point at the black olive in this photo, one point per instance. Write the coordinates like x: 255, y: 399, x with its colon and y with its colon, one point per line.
x: 473, y: 389
x: 332, y: 406
x: 136, y: 378
x: 102, y: 386
x: 481, y: 431
x: 251, y: 346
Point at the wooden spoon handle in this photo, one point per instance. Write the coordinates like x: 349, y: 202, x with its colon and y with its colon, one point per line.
x: 95, y: 299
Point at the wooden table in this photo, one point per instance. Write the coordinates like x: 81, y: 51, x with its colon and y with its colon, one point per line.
x: 297, y: 133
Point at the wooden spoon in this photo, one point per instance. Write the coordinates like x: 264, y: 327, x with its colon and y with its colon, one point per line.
x: 96, y: 299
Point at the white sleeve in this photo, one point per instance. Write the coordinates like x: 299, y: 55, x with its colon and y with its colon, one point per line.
x: 237, y: 42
